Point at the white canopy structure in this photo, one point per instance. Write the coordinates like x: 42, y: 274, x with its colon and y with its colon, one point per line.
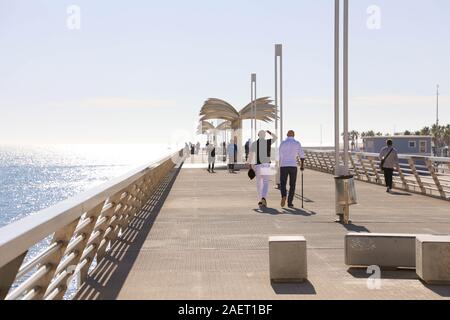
x: 205, y: 127
x: 219, y: 109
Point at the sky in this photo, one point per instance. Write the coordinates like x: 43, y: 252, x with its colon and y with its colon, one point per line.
x: 138, y: 71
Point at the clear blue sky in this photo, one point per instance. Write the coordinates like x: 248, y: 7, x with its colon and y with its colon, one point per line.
x: 139, y: 70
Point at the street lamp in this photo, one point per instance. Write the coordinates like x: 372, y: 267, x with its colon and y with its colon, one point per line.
x: 253, y: 98
x: 279, y: 94
x: 278, y: 98
x: 437, y: 106
x: 343, y: 179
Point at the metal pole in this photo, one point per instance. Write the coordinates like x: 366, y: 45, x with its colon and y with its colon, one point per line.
x: 346, y: 134
x: 276, y: 89
x: 336, y: 85
x: 281, y: 97
x: 303, y: 198
x: 253, y: 104
x: 256, y: 97
x: 437, y: 106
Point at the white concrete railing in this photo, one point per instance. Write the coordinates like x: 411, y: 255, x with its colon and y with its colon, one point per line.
x: 80, y: 230
x: 426, y: 175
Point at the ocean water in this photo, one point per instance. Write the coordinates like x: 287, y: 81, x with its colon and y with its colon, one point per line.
x: 36, y: 177
x: 33, y: 178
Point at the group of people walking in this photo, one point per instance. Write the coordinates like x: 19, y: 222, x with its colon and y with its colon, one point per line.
x: 258, y: 157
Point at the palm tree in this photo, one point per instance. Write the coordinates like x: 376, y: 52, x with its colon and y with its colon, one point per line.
x: 447, y: 135
x: 425, y: 131
x: 354, y: 136
x: 437, y: 133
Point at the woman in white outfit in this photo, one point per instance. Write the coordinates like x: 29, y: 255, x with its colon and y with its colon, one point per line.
x: 260, y: 153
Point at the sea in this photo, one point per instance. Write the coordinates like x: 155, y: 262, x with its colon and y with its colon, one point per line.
x: 33, y: 178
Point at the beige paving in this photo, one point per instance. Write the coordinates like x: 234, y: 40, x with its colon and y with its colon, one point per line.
x: 203, y: 237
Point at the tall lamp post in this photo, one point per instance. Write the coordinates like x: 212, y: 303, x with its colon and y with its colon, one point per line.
x: 279, y: 86
x: 278, y: 99
x: 341, y: 170
x: 253, y: 92
x: 437, y: 106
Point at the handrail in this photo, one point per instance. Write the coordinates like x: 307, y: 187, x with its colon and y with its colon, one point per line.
x: 81, y: 227
x: 425, y: 175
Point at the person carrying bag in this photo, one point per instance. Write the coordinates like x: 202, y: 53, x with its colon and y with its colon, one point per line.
x: 389, y: 160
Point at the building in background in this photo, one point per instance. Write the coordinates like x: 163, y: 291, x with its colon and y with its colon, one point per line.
x: 411, y: 145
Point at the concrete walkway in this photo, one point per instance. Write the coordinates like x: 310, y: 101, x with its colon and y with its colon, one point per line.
x: 202, y: 236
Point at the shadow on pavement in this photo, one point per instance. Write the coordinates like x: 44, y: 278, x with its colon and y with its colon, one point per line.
x: 442, y: 290
x: 108, y: 277
x: 391, y: 274
x: 355, y: 228
x: 296, y: 212
x: 305, y: 288
x: 396, y: 193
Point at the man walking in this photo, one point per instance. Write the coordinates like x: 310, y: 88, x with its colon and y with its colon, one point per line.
x: 232, y: 156
x: 260, y: 153
x: 211, y: 150
x: 247, y: 149
x: 290, y: 151
x: 389, y: 161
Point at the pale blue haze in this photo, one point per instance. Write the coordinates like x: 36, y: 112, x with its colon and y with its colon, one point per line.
x: 138, y: 70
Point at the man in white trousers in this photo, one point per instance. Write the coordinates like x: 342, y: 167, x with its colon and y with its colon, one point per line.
x: 260, y: 153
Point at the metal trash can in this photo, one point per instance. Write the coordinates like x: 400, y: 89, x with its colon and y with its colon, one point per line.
x: 345, y: 190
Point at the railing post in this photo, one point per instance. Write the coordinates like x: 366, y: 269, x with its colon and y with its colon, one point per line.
x: 412, y: 165
x: 435, y: 178
x: 99, y: 229
x: 329, y: 164
x: 8, y: 274
x: 77, y: 250
x: 363, y: 165
x: 375, y: 170
x: 402, y: 177
x: 355, y: 168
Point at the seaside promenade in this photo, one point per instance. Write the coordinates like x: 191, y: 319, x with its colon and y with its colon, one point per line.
x: 202, y: 236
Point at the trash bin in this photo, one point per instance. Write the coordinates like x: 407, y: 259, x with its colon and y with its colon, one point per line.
x: 343, y: 184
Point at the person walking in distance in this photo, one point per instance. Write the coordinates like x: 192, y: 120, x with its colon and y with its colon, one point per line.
x: 247, y: 149
x: 260, y: 153
x: 211, y: 150
x: 232, y: 156
x: 290, y: 151
x: 389, y: 161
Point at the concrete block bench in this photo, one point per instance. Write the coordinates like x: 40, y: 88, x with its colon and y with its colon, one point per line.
x: 383, y: 250
x: 433, y: 259
x: 288, y: 259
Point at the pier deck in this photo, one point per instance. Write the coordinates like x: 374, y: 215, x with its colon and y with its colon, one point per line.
x: 202, y: 236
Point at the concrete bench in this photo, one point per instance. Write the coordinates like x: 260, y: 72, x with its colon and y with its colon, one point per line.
x: 383, y: 250
x: 288, y: 259
x: 433, y: 259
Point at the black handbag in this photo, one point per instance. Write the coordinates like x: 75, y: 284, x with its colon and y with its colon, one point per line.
x: 251, y: 174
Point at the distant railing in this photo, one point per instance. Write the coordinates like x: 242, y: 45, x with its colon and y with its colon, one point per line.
x: 425, y: 175
x: 80, y: 230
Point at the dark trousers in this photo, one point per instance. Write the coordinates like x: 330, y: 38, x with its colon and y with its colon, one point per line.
x: 211, y: 166
x: 388, y: 176
x: 290, y: 172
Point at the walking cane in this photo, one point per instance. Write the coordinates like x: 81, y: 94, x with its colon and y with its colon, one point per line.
x: 303, y: 207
